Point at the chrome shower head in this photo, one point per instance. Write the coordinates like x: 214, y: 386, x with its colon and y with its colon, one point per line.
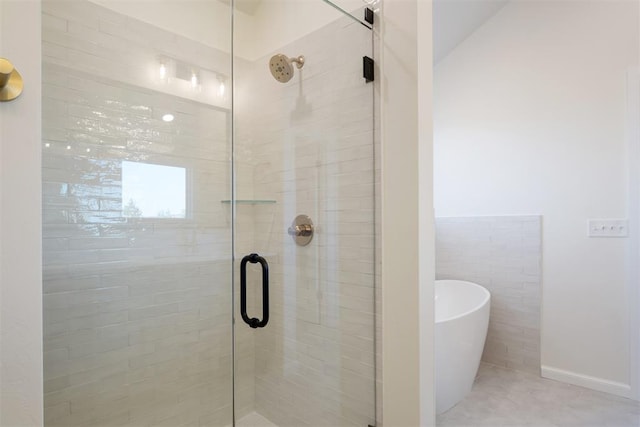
x: 281, y: 68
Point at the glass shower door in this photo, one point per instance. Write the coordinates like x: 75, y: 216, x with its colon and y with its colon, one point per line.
x: 137, y: 246
x: 304, y: 218
x: 158, y: 181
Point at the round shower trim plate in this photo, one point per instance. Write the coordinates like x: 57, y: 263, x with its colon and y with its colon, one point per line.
x: 301, y: 230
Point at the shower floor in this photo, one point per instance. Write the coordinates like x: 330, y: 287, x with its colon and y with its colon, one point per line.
x: 254, y: 420
x: 504, y: 397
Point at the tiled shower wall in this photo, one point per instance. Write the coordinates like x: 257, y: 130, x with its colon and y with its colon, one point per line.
x: 137, y: 311
x: 310, y: 147
x: 503, y: 254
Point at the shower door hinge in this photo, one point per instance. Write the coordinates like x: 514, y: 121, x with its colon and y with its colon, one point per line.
x: 367, y: 69
x: 368, y: 15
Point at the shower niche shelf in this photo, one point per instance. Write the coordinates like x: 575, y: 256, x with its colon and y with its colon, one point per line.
x: 250, y: 202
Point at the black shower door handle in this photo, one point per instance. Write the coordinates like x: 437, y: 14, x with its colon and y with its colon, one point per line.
x: 252, y: 321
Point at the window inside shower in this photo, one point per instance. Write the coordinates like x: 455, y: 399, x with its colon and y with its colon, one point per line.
x: 153, y: 191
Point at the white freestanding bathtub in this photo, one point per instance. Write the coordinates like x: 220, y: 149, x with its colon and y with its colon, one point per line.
x: 462, y: 320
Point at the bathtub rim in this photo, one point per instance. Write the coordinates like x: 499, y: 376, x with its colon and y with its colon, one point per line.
x: 486, y: 300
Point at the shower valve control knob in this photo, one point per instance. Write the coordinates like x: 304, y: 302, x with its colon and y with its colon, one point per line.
x: 301, y: 230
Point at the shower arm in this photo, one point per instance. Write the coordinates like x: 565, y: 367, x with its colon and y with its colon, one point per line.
x: 299, y: 61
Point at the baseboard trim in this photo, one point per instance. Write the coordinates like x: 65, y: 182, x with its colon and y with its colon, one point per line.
x: 599, y: 384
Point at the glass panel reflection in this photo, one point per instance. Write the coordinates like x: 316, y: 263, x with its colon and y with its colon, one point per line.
x: 137, y: 264
x: 304, y: 140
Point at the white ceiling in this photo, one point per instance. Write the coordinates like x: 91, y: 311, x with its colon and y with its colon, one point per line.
x: 455, y: 20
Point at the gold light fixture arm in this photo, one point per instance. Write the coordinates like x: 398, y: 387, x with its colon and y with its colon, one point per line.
x: 10, y: 81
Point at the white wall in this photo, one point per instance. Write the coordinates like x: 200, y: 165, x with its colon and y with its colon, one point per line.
x: 454, y: 21
x: 426, y: 227
x: 407, y: 215
x: 633, y: 114
x: 20, y: 262
x: 529, y: 118
x: 277, y: 23
x: 207, y: 22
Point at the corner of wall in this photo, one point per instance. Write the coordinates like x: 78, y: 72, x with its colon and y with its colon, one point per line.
x: 20, y: 222
x: 633, y: 285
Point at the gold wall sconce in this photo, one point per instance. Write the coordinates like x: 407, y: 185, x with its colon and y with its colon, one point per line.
x: 10, y: 81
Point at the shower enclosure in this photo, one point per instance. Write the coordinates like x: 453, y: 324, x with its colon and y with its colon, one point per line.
x: 208, y: 221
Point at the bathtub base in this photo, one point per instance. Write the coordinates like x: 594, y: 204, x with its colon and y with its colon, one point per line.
x: 459, y: 339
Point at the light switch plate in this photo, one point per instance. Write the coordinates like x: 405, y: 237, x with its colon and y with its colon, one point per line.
x: 608, y: 228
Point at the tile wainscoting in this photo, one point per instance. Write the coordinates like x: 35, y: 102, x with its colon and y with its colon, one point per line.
x: 503, y: 254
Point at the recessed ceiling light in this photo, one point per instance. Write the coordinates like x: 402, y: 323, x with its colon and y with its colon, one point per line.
x: 168, y: 117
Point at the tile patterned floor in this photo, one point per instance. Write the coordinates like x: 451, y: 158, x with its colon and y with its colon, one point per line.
x: 504, y: 397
